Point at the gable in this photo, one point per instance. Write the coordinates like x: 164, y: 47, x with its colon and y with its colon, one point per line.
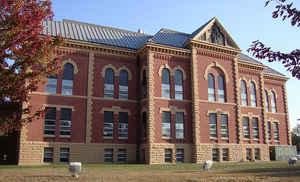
x: 214, y: 32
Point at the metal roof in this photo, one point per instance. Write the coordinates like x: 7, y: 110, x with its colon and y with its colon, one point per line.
x: 96, y: 34
x: 86, y: 32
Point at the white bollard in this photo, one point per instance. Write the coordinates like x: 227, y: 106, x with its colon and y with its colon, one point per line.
x: 75, y: 168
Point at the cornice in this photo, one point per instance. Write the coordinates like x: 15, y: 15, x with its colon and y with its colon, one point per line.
x: 99, y: 48
x: 275, y: 77
x: 213, y: 47
x: 251, y: 66
x: 164, y: 49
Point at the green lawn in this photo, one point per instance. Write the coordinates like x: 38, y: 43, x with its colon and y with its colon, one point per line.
x: 221, y: 172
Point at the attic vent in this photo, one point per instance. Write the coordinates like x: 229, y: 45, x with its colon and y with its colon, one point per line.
x: 141, y: 31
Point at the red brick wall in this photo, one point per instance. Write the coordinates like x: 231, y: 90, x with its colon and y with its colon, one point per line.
x: 35, y: 129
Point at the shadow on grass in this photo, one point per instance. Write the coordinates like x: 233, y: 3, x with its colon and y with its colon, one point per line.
x: 272, y: 172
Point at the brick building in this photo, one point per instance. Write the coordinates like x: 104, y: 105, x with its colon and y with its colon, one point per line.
x: 170, y: 97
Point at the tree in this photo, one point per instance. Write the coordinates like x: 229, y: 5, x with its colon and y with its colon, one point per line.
x: 291, y: 60
x: 26, y: 57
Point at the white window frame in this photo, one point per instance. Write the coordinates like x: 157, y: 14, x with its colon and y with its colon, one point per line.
x: 122, y: 155
x: 166, y: 126
x: 224, y: 127
x: 246, y: 128
x: 213, y: 129
x: 108, y: 127
x: 255, y: 129
x: 50, y: 127
x: 48, y: 155
x: 179, y: 126
x: 51, y: 85
x: 108, y: 156
x: 64, y: 154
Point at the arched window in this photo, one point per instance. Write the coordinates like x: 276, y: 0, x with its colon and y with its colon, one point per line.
x: 67, y: 79
x: 253, y: 94
x: 144, y: 84
x: 273, y: 102
x: 51, y: 85
x: 244, y: 93
x: 266, y: 101
x: 123, y: 84
x: 165, y: 86
x: 221, y: 89
x: 178, y: 85
x: 211, y: 88
x: 109, y: 83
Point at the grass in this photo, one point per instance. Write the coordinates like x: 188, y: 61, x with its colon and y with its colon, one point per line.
x: 221, y: 172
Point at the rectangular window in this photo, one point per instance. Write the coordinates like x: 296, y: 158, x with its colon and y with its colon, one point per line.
x: 65, y: 122
x: 213, y: 125
x: 269, y: 131
x: 246, y: 127
x: 179, y: 125
x: 257, y: 154
x: 122, y: 155
x: 248, y: 154
x: 165, y: 90
x: 48, y: 154
x: 166, y: 124
x: 123, y: 92
x: 224, y: 126
x: 168, y: 155
x: 123, y: 125
x: 50, y: 121
x: 144, y: 124
x: 67, y: 87
x: 225, y: 154
x: 276, y: 131
x: 51, y: 85
x: 64, y: 154
x: 255, y: 132
x: 108, y: 90
x: 179, y: 155
x: 108, y: 155
x: 178, y: 92
x: 108, y: 128
x: 215, y: 154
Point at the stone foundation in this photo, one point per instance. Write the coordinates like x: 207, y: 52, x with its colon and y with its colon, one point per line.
x: 32, y: 153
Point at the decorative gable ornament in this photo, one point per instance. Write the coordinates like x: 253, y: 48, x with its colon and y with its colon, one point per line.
x: 213, y: 32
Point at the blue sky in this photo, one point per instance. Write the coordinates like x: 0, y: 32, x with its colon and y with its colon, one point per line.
x: 245, y: 20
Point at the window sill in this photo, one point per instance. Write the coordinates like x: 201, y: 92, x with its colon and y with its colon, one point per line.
x: 64, y: 136
x: 49, y: 136
x: 166, y: 138
x: 213, y: 138
x: 225, y: 138
x: 256, y: 139
x: 123, y: 138
x: 108, y: 137
x: 247, y: 139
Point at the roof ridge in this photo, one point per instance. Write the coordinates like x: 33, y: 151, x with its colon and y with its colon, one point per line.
x: 112, y: 28
x: 173, y: 31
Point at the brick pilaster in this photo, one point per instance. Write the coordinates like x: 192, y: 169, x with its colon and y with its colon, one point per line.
x: 237, y: 100
x: 195, y: 106
x: 150, y: 123
x: 89, y: 116
x: 264, y: 114
x: 287, y: 115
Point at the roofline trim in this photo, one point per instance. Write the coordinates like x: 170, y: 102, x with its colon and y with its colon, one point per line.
x: 213, y: 47
x: 100, y: 47
x: 164, y: 49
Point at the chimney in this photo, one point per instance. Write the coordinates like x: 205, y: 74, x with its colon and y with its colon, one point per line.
x: 141, y: 31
